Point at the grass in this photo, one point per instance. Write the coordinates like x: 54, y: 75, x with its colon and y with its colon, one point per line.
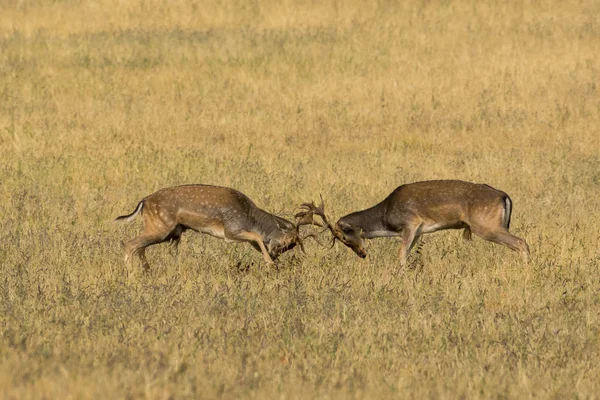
x: 102, y: 103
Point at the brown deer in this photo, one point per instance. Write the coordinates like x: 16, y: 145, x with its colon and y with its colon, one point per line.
x: 424, y: 207
x: 218, y: 211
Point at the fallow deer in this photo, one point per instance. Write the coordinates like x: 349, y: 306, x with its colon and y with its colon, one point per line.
x: 425, y: 207
x: 218, y: 211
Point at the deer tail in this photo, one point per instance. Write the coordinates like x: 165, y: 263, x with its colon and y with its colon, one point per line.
x: 130, y: 217
x: 507, y: 212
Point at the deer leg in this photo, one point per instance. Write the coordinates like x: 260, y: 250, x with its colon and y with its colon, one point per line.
x: 175, y: 238
x: 467, y: 233
x: 138, y: 246
x: 141, y: 252
x: 256, y: 246
x: 504, y: 237
x: 409, y: 234
x: 175, y: 245
x: 254, y: 239
x: 415, y: 241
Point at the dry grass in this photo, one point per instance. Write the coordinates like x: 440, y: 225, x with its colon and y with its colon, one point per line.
x: 104, y: 102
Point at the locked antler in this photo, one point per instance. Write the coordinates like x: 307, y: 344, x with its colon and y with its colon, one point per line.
x: 306, y: 217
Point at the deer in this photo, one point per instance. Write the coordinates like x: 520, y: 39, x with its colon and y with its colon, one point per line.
x: 414, y: 209
x: 218, y: 211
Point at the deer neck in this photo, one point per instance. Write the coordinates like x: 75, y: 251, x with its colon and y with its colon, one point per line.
x: 266, y: 224
x: 369, y: 220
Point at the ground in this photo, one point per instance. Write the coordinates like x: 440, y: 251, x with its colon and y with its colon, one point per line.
x: 105, y: 102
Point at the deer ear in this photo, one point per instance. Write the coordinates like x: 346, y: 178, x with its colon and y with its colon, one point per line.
x: 343, y: 226
x: 283, y: 226
x: 338, y: 230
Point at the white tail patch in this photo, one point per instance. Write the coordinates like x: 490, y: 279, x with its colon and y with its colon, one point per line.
x: 506, y: 212
x: 131, y: 217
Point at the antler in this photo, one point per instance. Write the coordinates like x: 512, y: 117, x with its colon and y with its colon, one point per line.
x: 307, y: 218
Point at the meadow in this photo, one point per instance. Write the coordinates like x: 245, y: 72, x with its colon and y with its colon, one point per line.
x: 104, y: 102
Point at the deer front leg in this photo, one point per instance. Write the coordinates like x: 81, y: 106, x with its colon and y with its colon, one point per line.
x: 256, y: 238
x: 409, y: 236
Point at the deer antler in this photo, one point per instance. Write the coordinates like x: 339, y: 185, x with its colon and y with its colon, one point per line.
x: 307, y: 218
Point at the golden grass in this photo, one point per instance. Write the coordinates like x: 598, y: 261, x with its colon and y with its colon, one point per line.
x: 104, y: 102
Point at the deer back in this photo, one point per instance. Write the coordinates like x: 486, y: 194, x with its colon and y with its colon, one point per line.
x: 200, y: 206
x: 447, y: 202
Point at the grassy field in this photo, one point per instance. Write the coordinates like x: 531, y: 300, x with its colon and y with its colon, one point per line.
x: 103, y: 102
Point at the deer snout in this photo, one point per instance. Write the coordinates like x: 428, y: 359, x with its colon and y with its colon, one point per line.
x: 362, y: 253
x: 359, y: 250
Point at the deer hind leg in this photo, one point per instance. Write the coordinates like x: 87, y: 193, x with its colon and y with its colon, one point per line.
x: 467, y: 233
x: 175, y: 238
x: 504, y: 237
x: 138, y: 246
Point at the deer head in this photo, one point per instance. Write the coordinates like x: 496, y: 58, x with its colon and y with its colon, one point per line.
x: 349, y: 235
x: 290, y: 236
